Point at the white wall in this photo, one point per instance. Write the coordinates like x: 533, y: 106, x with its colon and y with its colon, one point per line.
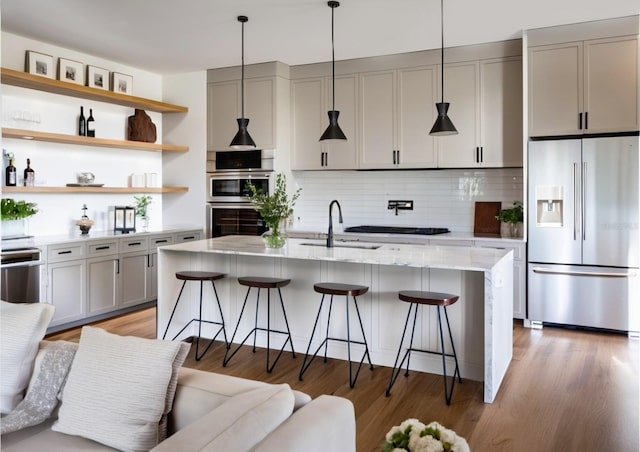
x: 58, y: 164
x: 442, y: 198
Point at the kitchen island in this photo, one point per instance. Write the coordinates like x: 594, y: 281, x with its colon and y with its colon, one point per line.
x: 481, y: 320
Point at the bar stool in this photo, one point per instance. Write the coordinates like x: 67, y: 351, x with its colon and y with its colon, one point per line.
x: 260, y: 282
x: 430, y: 299
x: 202, y: 277
x: 328, y: 288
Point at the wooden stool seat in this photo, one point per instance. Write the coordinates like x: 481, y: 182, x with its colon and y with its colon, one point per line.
x: 199, y: 276
x: 329, y: 288
x: 430, y: 298
x: 346, y: 290
x: 263, y: 282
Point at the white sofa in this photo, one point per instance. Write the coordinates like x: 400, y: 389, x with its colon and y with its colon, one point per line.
x: 211, y: 410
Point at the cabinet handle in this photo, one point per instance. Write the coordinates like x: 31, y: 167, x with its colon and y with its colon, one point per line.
x: 586, y: 120
x: 477, y: 154
x: 398, y: 156
x: 191, y: 237
x: 64, y: 252
x: 481, y: 154
x: 161, y: 241
x: 135, y: 244
x: 394, y: 157
x: 117, y: 261
x: 326, y: 159
x: 100, y: 248
x: 580, y: 121
x: 322, y: 159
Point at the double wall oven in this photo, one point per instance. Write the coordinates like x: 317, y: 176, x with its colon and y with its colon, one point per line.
x: 228, y: 173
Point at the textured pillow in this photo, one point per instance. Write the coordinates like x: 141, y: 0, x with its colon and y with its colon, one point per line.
x: 120, y: 389
x: 22, y: 327
x: 238, y: 424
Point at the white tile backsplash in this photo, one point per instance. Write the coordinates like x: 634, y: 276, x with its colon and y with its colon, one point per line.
x: 442, y: 198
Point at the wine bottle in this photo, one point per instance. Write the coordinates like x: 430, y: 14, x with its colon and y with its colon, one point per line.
x: 82, y: 124
x: 11, y: 175
x: 91, y: 124
x: 29, y: 175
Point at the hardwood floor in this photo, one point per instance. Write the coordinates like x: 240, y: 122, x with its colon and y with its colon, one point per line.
x: 566, y: 390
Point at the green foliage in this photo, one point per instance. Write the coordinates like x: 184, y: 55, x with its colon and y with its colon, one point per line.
x: 274, y: 207
x: 17, y: 210
x: 512, y: 215
x: 142, y: 203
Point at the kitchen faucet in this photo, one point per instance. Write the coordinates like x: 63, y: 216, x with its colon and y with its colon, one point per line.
x: 330, y: 231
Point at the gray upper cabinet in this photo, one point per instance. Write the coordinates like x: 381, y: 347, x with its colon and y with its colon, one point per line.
x: 583, y: 87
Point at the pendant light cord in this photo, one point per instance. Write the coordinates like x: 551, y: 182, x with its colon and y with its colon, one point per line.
x: 333, y: 61
x: 242, y: 74
x: 442, y: 48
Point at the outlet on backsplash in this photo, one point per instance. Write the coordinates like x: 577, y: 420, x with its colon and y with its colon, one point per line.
x: 400, y: 205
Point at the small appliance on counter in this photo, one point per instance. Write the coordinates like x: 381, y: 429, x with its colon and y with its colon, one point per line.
x: 124, y: 219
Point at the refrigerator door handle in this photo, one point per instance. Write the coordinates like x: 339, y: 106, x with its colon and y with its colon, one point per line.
x: 584, y: 204
x: 575, y: 201
x: 548, y: 271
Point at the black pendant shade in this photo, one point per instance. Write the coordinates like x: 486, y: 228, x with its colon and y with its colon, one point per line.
x: 443, y: 125
x: 242, y: 140
x: 333, y: 132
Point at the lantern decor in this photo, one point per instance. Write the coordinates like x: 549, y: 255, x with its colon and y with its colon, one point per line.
x: 124, y: 219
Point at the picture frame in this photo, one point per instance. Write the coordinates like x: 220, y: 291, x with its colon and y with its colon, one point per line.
x: 39, y: 64
x: 121, y: 83
x: 97, y: 77
x: 70, y: 71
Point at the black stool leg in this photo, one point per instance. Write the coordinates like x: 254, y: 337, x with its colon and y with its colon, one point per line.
x: 174, y: 311
x: 228, y: 357
x: 453, y: 348
x: 326, y: 342
x: 413, y: 330
x: 306, y: 365
x: 286, y: 322
x: 224, y: 332
x: 352, y: 382
x: 395, y: 372
x: 447, y: 393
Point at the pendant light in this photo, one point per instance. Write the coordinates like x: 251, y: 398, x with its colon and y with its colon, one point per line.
x: 333, y: 132
x: 443, y: 125
x: 242, y: 140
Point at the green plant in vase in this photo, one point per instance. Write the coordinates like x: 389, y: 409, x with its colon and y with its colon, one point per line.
x: 274, y: 209
x: 512, y: 216
x: 14, y: 214
x: 142, y: 205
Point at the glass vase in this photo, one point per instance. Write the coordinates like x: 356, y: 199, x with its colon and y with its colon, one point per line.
x: 275, y: 237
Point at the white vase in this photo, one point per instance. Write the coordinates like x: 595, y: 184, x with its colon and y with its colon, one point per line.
x: 14, y: 228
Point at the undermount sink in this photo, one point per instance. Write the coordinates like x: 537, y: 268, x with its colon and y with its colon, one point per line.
x: 362, y: 246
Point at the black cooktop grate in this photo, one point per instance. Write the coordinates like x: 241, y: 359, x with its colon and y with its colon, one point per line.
x: 396, y: 230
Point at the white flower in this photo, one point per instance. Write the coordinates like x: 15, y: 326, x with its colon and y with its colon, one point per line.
x: 393, y: 431
x: 425, y: 443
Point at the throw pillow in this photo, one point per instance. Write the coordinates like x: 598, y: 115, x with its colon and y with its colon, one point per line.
x: 238, y: 424
x: 120, y: 389
x: 22, y: 327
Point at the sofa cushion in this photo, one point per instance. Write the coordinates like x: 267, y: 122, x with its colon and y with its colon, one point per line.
x: 119, y: 389
x: 22, y: 327
x: 238, y: 424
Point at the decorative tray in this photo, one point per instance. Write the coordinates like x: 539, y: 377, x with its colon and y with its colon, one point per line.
x: 85, y: 185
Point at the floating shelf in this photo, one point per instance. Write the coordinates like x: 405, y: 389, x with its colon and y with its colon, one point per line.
x: 24, y: 134
x: 132, y: 190
x: 37, y: 82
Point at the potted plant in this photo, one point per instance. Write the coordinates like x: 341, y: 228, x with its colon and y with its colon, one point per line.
x: 513, y: 217
x: 142, y: 205
x: 274, y: 208
x: 13, y: 215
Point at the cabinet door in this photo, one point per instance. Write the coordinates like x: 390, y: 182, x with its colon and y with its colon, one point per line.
x: 102, y: 284
x: 67, y: 290
x: 341, y: 154
x: 223, y: 108
x: 555, y: 89
x: 501, y: 112
x: 417, y: 91
x: 461, y: 91
x: 611, y: 85
x: 377, y: 119
x: 152, y: 276
x: 133, y: 278
x: 260, y: 105
x: 307, y: 118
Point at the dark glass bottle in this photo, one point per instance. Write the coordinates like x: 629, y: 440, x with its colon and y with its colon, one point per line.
x: 91, y: 124
x: 11, y: 175
x: 82, y: 124
x: 29, y: 175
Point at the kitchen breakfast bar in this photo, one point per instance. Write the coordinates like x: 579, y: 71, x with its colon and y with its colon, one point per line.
x: 481, y: 321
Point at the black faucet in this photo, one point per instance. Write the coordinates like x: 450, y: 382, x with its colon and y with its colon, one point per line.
x: 330, y: 232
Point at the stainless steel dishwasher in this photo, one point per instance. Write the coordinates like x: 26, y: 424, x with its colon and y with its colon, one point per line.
x: 20, y: 280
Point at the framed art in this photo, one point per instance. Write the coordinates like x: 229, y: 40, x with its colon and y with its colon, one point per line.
x: 121, y: 83
x: 70, y: 71
x: 39, y: 64
x: 97, y: 77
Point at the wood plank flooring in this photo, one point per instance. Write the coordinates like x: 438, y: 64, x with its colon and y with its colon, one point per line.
x: 566, y: 390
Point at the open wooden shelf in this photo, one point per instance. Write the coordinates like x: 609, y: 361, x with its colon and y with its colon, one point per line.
x: 132, y: 190
x: 24, y: 134
x: 37, y: 82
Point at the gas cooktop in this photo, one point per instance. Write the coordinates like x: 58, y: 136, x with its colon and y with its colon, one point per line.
x: 396, y: 230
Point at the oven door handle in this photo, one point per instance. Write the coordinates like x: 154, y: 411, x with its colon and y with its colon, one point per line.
x: 231, y: 206
x: 22, y: 264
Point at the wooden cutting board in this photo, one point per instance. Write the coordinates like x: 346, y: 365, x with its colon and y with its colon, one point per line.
x: 485, y: 222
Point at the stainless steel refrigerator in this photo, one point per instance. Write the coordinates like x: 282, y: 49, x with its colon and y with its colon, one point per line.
x: 583, y: 251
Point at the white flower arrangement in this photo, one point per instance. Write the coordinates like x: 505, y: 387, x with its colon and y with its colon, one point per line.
x: 414, y: 436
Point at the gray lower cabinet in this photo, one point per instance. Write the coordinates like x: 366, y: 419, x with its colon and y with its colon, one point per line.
x: 66, y: 290
x: 155, y: 241
x: 103, y: 280
x: 134, y: 258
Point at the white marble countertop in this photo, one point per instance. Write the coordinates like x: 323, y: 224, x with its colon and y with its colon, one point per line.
x: 445, y: 257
